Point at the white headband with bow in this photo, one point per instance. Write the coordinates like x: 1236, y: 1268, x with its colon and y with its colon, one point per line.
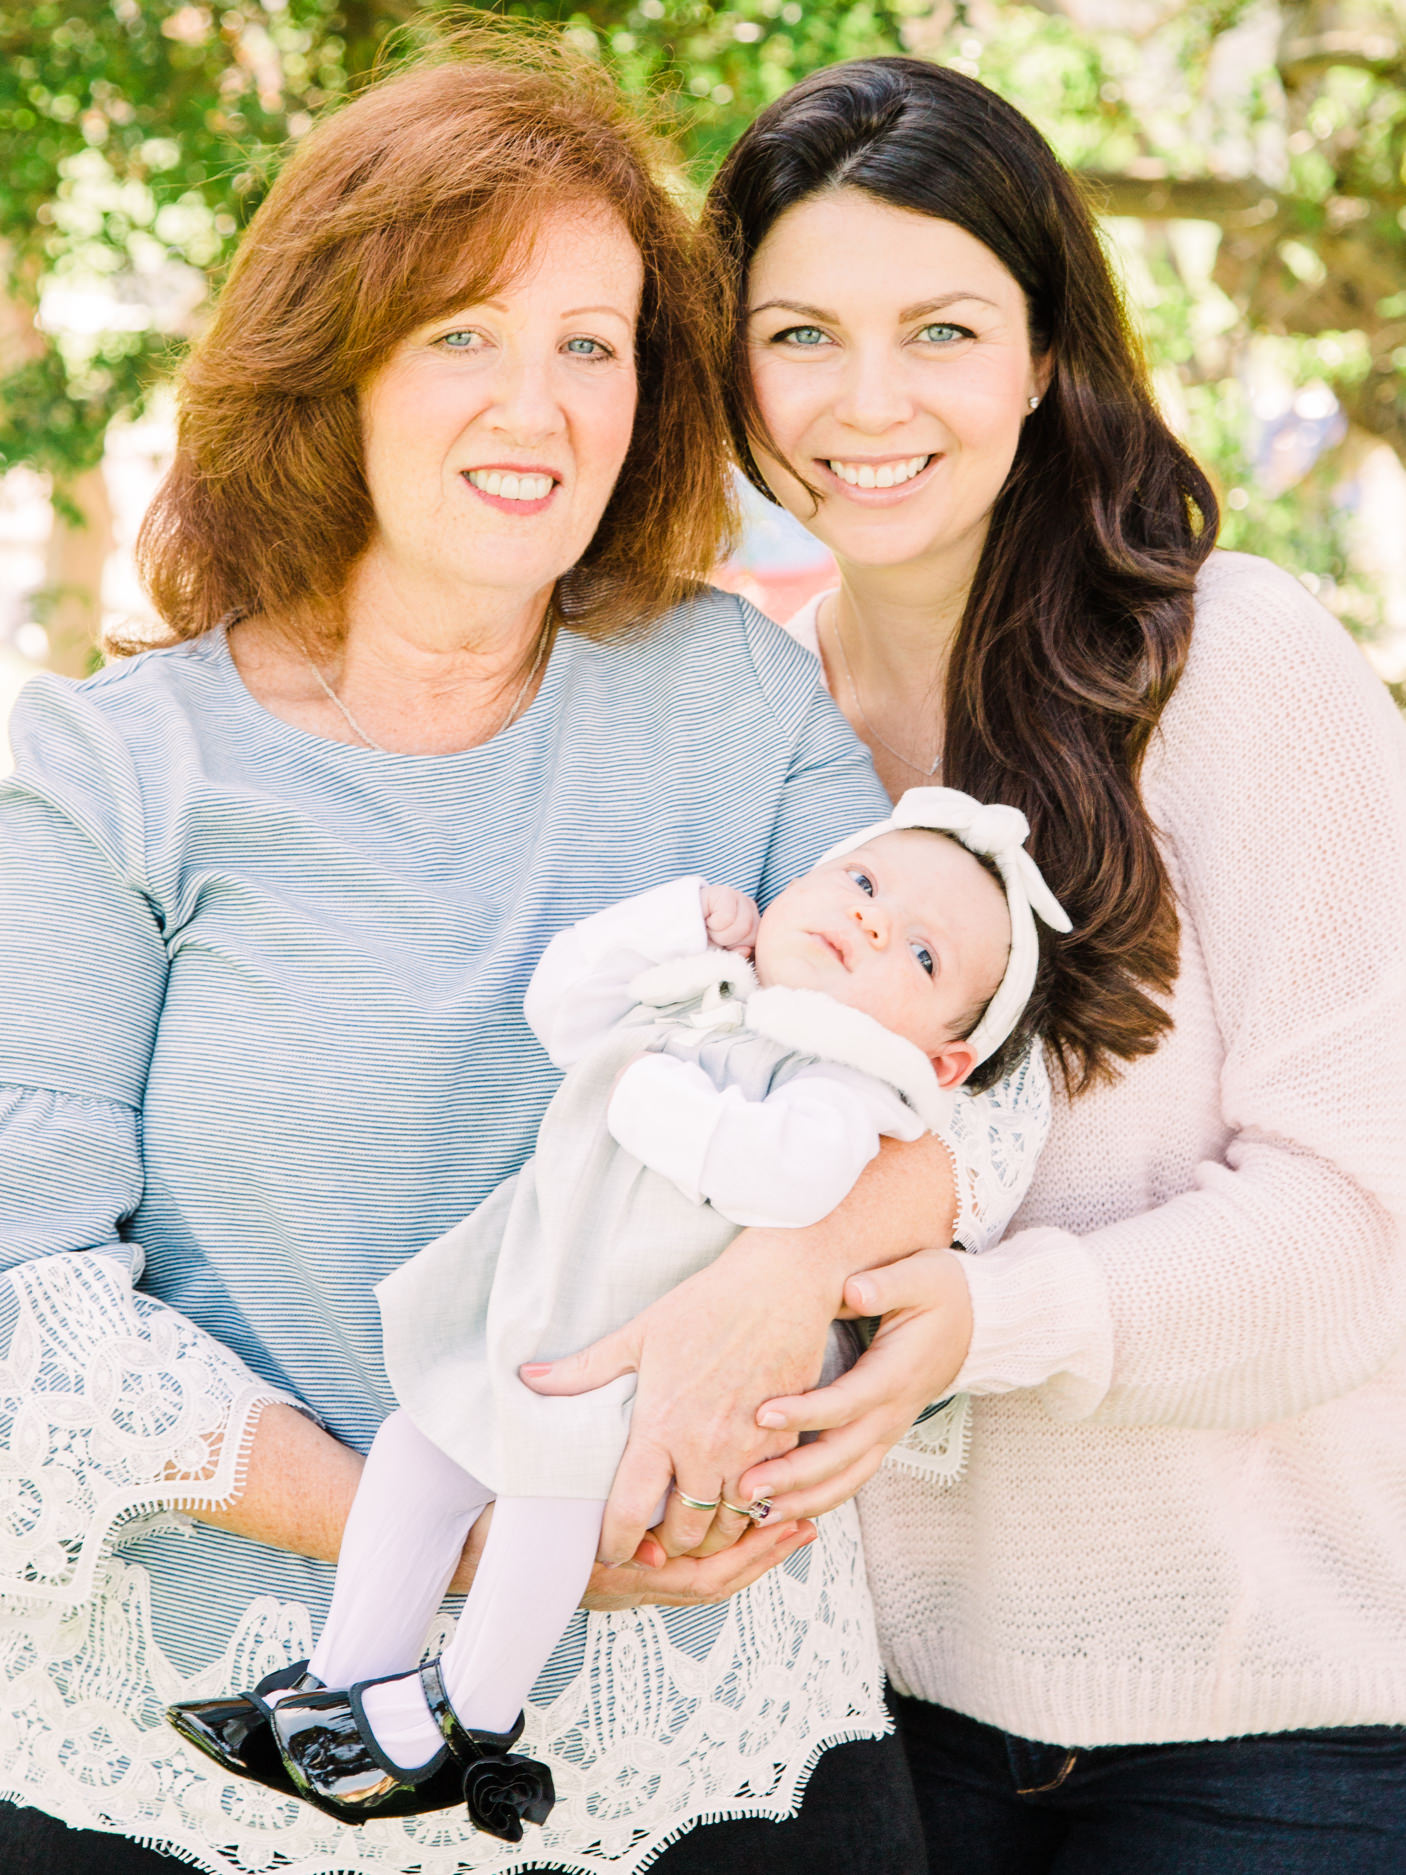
x: 999, y: 833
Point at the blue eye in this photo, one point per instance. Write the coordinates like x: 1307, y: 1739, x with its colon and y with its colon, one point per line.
x: 458, y: 341
x: 809, y: 336
x: 587, y: 348
x: 863, y: 881
x: 925, y: 959
x: 943, y: 334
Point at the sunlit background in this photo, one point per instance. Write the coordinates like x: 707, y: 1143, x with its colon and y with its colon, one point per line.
x: 1249, y: 161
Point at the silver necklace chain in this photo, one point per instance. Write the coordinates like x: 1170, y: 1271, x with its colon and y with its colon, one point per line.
x: 918, y: 768
x: 543, y: 639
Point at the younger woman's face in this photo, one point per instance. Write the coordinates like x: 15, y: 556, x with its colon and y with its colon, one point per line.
x: 891, y: 357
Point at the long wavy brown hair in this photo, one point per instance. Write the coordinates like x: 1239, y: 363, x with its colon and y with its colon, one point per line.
x: 1079, y: 619
x: 420, y: 196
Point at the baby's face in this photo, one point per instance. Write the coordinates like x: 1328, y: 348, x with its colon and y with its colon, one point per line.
x: 910, y: 928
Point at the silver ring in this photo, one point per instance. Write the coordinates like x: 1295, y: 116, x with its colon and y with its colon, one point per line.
x: 758, y: 1510
x: 696, y: 1503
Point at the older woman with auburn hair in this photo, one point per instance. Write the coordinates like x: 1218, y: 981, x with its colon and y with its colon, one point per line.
x: 437, y: 680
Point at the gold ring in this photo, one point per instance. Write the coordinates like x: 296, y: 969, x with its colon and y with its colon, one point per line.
x: 696, y: 1503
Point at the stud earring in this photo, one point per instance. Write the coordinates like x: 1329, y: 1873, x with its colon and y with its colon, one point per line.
x: 1034, y: 403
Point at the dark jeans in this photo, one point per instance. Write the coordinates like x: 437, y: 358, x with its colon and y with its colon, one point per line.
x: 858, y: 1813
x: 1329, y: 1802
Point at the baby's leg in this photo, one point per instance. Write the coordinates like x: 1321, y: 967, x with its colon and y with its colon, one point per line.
x: 531, y: 1577
x: 412, y: 1512
x: 535, y: 1566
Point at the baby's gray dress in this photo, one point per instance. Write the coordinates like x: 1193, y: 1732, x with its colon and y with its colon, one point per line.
x: 582, y: 1239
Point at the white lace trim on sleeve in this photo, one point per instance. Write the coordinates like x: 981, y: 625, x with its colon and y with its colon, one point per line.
x: 111, y: 1405
x: 995, y: 1138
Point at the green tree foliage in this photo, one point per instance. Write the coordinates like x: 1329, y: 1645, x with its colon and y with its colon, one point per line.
x: 133, y: 136
x: 138, y: 137
x: 1253, y: 157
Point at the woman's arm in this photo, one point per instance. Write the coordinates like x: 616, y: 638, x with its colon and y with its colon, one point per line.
x: 112, y: 1404
x: 751, y: 1325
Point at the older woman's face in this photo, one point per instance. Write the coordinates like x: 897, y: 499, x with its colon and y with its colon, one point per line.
x: 891, y: 358
x: 493, y: 436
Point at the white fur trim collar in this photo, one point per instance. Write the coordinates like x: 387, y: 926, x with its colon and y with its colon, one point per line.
x: 815, y: 1024
x: 680, y: 979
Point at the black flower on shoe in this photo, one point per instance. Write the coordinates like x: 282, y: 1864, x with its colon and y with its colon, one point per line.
x: 500, y: 1792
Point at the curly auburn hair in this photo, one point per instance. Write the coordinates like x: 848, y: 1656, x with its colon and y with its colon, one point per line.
x: 420, y: 196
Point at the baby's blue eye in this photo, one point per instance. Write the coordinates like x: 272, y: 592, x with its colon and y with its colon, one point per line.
x: 863, y: 881
x: 925, y: 959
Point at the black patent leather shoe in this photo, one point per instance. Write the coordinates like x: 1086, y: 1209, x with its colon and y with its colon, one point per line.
x: 501, y: 1789
x: 332, y: 1761
x: 234, y: 1730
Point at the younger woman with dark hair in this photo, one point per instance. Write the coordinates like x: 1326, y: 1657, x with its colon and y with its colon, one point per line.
x: 1158, y: 1622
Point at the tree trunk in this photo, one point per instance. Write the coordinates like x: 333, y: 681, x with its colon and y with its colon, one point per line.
x: 69, y: 603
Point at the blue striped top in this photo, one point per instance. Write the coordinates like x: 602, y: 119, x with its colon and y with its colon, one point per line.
x: 265, y: 991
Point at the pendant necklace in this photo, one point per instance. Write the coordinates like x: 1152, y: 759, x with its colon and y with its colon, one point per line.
x: 543, y: 639
x: 918, y: 768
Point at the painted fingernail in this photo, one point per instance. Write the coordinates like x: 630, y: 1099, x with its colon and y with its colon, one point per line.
x: 773, y: 1421
x: 535, y: 1368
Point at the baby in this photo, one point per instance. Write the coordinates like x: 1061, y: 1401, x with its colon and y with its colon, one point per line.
x: 702, y: 1094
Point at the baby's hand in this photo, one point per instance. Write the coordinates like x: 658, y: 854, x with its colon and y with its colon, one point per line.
x: 731, y: 918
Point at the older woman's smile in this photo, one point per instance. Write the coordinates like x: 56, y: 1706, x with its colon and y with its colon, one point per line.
x: 513, y: 490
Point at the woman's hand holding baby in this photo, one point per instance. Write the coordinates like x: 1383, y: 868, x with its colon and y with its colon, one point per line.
x: 688, y: 1581
x: 701, y: 1353
x: 730, y: 918
x: 917, y: 1353
x: 752, y: 1327
x: 651, y: 1578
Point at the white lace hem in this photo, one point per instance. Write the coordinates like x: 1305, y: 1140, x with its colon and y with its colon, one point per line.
x: 645, y: 1741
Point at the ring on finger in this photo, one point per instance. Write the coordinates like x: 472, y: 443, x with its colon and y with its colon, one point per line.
x: 696, y: 1503
x: 758, y: 1510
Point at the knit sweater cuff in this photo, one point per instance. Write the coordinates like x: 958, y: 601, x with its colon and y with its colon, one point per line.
x: 1041, y: 1319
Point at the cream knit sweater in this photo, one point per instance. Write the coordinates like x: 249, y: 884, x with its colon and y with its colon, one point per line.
x: 1184, y: 1514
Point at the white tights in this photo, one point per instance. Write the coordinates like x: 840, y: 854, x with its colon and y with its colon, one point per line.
x: 413, y: 1510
